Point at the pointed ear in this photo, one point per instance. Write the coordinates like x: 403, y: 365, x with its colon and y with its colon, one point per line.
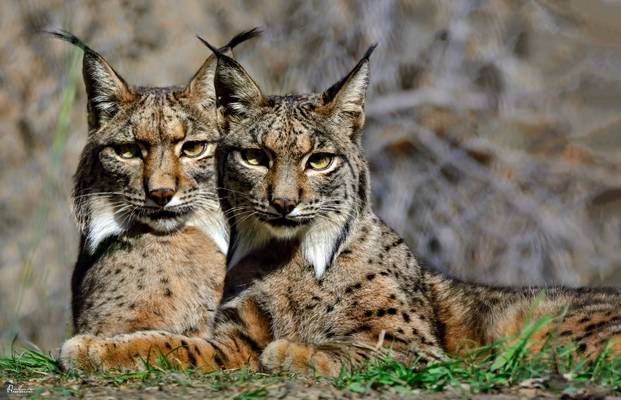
x: 105, y: 89
x: 344, y: 101
x: 201, y: 86
x: 237, y: 94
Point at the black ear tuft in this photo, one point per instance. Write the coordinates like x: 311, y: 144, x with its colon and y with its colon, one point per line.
x: 70, y: 38
x: 241, y: 37
x: 212, y: 48
x: 105, y: 88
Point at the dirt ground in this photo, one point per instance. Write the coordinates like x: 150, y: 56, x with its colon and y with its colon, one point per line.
x: 492, y: 126
x: 177, y: 386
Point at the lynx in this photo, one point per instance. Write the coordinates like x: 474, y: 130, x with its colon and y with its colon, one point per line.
x: 317, y: 281
x: 153, y: 238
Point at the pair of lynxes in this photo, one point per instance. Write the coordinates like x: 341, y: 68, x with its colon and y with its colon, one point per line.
x: 172, y: 179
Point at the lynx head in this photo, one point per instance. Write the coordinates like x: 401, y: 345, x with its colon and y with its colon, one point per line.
x: 291, y: 167
x: 149, y: 158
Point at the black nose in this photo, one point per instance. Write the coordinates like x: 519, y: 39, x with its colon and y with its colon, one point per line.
x: 161, y: 196
x: 283, y: 205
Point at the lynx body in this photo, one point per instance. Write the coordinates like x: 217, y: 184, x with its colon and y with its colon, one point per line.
x: 153, y: 238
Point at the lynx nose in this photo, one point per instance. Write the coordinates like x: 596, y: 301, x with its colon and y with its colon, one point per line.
x: 161, y: 196
x: 283, y: 205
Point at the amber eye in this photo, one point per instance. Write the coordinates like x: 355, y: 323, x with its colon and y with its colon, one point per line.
x: 255, y: 157
x: 128, y: 151
x: 193, y: 149
x: 320, y: 161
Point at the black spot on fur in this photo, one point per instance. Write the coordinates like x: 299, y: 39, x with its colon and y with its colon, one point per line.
x: 229, y: 314
x: 406, y: 316
x: 388, y: 336
x: 370, y: 277
x: 218, y: 361
x: 381, y: 312
x: 191, y: 359
x: 391, y: 311
x: 167, y: 292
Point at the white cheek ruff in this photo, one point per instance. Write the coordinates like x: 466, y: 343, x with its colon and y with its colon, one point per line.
x: 214, y: 225
x: 317, y: 242
x: 318, y: 246
x: 103, y: 223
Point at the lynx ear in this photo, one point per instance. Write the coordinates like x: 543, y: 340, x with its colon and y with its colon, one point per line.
x: 105, y: 88
x: 201, y: 85
x: 344, y: 100
x: 237, y: 94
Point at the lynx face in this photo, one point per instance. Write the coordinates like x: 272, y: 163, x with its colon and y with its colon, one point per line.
x: 155, y: 162
x: 149, y: 159
x: 291, y: 167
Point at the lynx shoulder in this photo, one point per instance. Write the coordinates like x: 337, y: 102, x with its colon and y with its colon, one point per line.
x: 153, y: 238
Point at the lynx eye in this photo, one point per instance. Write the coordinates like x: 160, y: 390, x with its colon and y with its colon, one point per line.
x: 128, y: 151
x: 194, y: 149
x: 320, y: 161
x: 255, y: 157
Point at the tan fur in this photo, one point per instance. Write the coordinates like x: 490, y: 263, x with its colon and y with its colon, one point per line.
x: 158, y: 283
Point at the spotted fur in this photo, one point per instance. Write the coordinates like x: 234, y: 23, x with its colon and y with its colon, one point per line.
x: 153, y: 238
x: 317, y: 282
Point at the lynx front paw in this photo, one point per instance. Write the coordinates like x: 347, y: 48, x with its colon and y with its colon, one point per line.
x: 290, y: 356
x: 90, y: 353
x: 74, y: 353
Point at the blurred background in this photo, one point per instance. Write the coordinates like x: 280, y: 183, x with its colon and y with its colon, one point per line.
x: 493, y: 127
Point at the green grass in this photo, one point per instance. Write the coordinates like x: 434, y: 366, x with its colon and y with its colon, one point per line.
x: 495, y: 368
